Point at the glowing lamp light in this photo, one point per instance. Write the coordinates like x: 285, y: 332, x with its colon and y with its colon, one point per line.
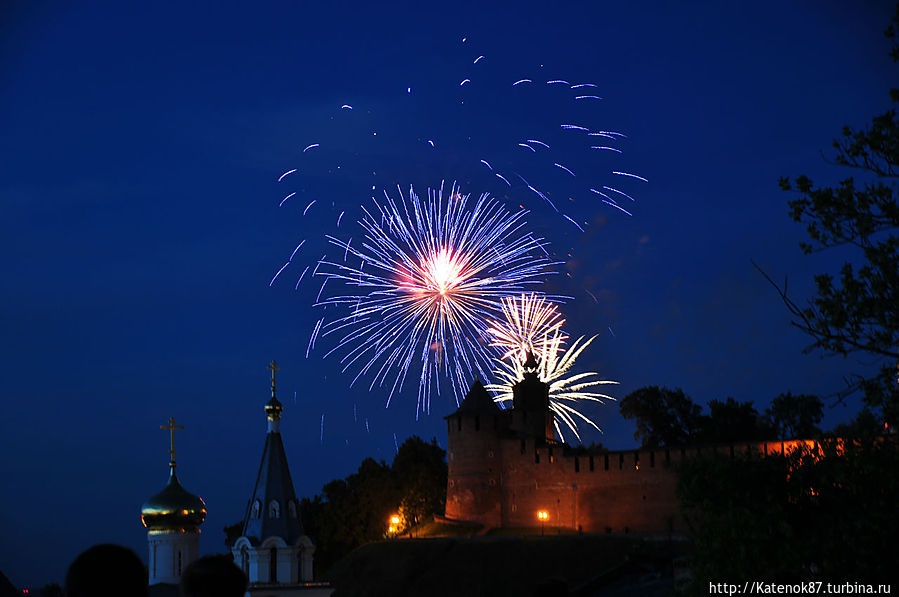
x: 542, y: 516
x: 393, y: 527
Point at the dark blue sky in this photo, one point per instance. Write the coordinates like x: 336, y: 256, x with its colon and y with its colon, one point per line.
x: 140, y: 223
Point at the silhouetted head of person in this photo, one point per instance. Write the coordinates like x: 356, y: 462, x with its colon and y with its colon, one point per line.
x: 107, y: 570
x: 213, y: 576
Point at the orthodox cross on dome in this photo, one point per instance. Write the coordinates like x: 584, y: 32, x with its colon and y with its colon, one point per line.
x: 273, y: 367
x: 171, y: 428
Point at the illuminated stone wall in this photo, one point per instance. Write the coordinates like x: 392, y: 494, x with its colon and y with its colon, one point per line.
x: 502, y: 481
x: 475, y: 464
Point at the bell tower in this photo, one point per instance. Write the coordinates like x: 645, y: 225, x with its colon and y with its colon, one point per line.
x: 173, y: 518
x: 273, y: 549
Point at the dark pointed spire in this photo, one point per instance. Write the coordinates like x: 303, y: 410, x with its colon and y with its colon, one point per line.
x: 273, y: 509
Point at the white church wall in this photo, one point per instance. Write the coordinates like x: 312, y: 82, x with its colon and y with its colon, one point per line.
x: 170, y: 553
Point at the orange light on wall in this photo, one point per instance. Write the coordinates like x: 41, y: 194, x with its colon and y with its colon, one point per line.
x: 542, y: 516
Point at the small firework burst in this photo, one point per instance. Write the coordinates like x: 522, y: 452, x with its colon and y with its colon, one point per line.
x: 529, y: 320
x: 567, y: 391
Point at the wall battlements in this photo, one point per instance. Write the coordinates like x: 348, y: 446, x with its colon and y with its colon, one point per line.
x: 505, y: 466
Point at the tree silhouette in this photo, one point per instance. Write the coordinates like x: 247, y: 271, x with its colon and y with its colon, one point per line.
x: 795, y: 417
x: 354, y: 511
x: 663, y: 417
x: 857, y: 310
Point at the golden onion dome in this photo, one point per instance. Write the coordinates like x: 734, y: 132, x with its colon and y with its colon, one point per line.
x: 173, y: 509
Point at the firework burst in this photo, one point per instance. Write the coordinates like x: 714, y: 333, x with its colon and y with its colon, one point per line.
x: 431, y: 273
x: 567, y: 391
x: 529, y: 320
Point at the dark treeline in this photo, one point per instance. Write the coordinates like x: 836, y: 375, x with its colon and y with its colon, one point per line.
x: 822, y: 514
x: 828, y: 513
x: 357, y: 510
x: 666, y: 417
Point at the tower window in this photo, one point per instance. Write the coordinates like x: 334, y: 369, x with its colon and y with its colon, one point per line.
x: 245, y: 561
x: 257, y: 506
x: 536, y: 456
x: 274, y: 509
x: 179, y: 562
x: 577, y: 464
x: 292, y: 509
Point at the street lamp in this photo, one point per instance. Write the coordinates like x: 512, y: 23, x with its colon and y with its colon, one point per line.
x: 394, y: 524
x: 542, y: 516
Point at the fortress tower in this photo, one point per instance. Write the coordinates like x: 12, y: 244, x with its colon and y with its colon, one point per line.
x: 474, y: 480
x: 530, y: 413
x: 506, y: 469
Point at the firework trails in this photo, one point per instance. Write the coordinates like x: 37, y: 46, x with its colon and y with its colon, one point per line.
x: 417, y: 293
x: 432, y: 272
x: 567, y: 391
x: 528, y: 321
x: 560, y: 162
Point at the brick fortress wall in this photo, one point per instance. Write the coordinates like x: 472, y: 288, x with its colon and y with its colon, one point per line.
x: 502, y: 473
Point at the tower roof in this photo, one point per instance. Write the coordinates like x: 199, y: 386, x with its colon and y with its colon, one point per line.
x: 174, y: 508
x: 531, y: 363
x: 477, y: 401
x: 273, y: 510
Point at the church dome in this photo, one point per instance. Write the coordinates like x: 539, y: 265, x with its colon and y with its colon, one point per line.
x: 173, y: 509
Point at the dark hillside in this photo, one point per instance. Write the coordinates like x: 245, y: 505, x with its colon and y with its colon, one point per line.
x: 533, y: 565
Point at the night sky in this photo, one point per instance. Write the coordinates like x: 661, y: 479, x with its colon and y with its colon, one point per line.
x: 141, y: 225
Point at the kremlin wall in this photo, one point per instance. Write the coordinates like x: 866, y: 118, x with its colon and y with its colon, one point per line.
x: 505, y: 467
